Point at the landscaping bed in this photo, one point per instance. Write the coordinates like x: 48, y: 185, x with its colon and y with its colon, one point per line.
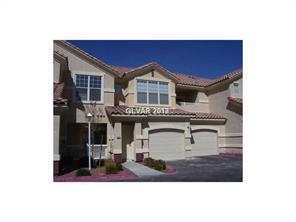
x: 170, y: 169
x: 236, y: 155
x: 109, y: 171
x: 159, y: 165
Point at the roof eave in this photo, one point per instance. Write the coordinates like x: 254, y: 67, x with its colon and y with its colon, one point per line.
x: 186, y: 86
x: 222, y: 83
x: 222, y: 121
x: 148, y: 67
x: 88, y: 57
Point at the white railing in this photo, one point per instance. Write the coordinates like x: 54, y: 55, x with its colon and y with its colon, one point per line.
x: 78, y: 151
x: 98, y: 151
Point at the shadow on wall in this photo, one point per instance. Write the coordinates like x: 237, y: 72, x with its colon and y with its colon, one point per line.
x: 70, y: 94
x: 68, y: 119
x: 234, y: 108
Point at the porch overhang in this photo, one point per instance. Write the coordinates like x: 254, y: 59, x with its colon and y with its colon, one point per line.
x: 122, y: 113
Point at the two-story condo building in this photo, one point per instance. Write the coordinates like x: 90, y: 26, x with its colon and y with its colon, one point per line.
x: 146, y: 111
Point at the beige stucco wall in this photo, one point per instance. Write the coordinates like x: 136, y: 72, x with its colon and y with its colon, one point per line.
x: 117, y: 148
x: 77, y: 110
x: 232, y: 93
x: 78, y: 65
x: 56, y: 137
x: 56, y: 71
x: 131, y: 95
x: 194, y: 107
x: 197, y: 101
x: 218, y: 103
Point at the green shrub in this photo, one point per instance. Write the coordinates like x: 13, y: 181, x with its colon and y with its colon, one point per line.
x: 119, y: 166
x: 83, y: 172
x: 112, y: 167
x: 159, y: 165
x: 148, y: 161
x: 155, y: 164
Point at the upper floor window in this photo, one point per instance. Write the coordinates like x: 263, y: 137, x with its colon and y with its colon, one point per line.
x: 88, y: 87
x: 152, y: 92
x: 236, y: 88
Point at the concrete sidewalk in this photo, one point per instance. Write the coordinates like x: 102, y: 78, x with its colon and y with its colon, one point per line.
x: 141, y: 170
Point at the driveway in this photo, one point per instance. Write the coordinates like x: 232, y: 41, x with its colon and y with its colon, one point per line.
x: 201, y: 169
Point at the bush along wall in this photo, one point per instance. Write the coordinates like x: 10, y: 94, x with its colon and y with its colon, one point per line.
x: 112, y: 167
x: 155, y: 164
x: 83, y: 172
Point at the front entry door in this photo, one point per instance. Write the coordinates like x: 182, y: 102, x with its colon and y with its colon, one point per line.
x: 127, y: 141
x: 130, y: 151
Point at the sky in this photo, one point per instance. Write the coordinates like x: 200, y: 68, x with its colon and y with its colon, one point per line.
x: 204, y: 58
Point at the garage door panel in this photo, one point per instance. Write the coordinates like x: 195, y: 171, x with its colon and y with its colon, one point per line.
x: 204, y: 143
x: 166, y: 144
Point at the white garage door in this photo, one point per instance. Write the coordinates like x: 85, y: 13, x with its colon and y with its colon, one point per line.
x: 166, y: 144
x: 204, y: 142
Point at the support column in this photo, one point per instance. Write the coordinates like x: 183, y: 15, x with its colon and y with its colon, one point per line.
x: 138, y: 141
x: 187, y: 141
x: 117, y: 150
x: 56, y: 144
x: 145, y: 137
x: 110, y: 140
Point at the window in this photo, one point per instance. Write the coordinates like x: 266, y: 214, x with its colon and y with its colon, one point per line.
x: 81, y: 86
x: 88, y: 88
x: 236, y: 88
x: 163, y: 93
x: 152, y: 92
x: 142, y: 91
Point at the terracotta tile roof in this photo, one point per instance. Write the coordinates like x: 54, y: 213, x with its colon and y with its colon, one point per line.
x: 121, y: 70
x: 199, y: 115
x: 183, y: 79
x: 236, y: 100
x: 58, y: 89
x: 150, y: 64
x: 203, y: 82
x: 227, y: 76
x: 141, y: 67
x: 126, y: 71
x: 122, y: 110
x: 191, y: 80
x: 90, y: 57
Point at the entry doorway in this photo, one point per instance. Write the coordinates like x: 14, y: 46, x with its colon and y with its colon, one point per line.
x: 128, y: 152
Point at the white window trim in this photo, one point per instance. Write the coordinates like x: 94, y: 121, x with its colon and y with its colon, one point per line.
x: 75, y: 73
x: 232, y: 89
x: 147, y: 104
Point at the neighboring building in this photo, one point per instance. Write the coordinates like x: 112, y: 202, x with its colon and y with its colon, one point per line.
x: 187, y: 116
